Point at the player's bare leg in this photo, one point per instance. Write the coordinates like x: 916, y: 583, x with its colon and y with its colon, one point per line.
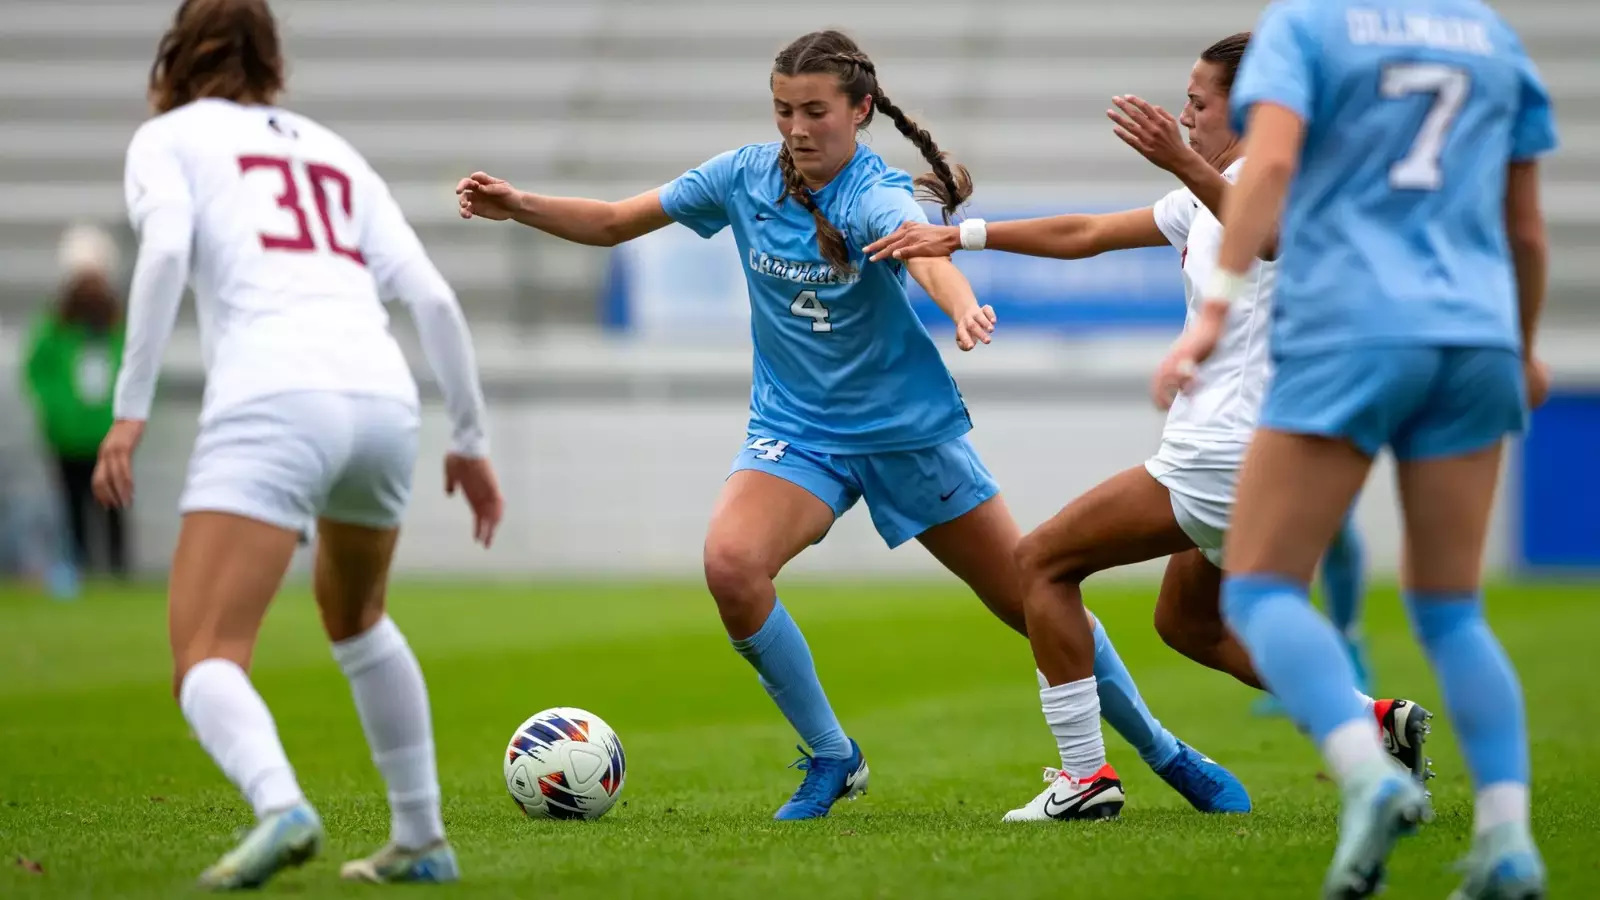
x: 980, y: 548
x: 761, y: 522
x: 225, y: 572
x: 1189, y: 619
x: 351, y: 577
x: 1447, y: 504
x: 1125, y: 520
x: 1282, y: 523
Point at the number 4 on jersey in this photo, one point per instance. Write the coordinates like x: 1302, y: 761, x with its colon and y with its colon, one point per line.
x: 806, y: 305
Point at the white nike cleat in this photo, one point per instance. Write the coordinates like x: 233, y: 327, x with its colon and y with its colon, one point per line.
x: 281, y: 840
x: 433, y: 864
x: 1096, y: 797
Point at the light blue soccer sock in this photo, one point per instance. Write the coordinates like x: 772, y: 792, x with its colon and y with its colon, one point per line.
x: 1344, y: 579
x: 1297, y: 653
x: 1123, y: 708
x: 1479, y: 685
x: 783, y: 660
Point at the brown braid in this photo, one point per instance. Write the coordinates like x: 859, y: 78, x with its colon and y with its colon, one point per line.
x: 950, y: 185
x: 829, y: 239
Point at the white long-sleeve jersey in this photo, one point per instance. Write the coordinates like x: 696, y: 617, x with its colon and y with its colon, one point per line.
x: 291, y: 242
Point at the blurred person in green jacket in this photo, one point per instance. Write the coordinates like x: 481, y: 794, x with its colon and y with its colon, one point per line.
x: 73, y: 354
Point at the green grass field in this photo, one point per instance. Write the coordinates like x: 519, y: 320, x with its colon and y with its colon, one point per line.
x: 101, y: 784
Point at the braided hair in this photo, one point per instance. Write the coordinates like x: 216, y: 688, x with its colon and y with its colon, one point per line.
x: 832, y: 52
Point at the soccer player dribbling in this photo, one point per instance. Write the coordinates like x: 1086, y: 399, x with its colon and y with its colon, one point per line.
x: 850, y: 400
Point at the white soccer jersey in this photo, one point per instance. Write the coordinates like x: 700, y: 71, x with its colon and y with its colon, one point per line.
x: 289, y: 239
x: 1231, y: 385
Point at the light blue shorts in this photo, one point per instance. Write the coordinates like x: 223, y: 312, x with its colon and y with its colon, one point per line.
x: 907, y: 492
x: 1421, y: 402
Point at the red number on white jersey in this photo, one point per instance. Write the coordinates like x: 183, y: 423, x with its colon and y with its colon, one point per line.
x: 322, y: 177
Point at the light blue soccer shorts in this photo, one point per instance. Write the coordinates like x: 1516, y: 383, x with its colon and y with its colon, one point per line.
x: 1421, y: 402
x: 907, y: 492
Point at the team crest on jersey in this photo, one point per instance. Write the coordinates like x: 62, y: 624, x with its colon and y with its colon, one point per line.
x: 801, y: 272
x: 281, y: 128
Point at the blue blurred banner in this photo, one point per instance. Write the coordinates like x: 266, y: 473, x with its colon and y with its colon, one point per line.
x: 1556, y: 526
x: 671, y: 283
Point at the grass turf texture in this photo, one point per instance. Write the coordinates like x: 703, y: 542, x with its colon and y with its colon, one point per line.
x: 101, y: 784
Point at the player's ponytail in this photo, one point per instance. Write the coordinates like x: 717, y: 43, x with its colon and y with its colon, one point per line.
x: 832, y: 52
x: 226, y: 49
x: 948, y: 185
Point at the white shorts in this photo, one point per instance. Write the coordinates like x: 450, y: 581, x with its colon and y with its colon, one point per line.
x: 289, y: 459
x: 1201, y: 478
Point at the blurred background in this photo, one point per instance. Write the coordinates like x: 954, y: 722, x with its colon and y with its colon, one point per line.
x: 619, y: 379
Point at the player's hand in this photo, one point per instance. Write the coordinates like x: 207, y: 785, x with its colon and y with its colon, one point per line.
x: 474, y: 476
x: 1150, y: 130
x: 1177, y: 371
x: 914, y: 239
x: 113, y: 471
x: 1537, y: 376
x: 974, y: 327
x: 486, y: 197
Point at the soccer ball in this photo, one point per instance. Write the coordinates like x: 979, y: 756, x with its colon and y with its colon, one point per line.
x: 565, y: 763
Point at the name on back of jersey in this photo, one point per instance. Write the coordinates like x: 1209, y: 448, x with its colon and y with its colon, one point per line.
x: 1396, y: 28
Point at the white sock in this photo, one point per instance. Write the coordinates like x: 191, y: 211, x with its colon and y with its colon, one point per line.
x: 1368, y: 702
x: 392, y: 700
x: 1352, y: 746
x: 1072, y: 711
x: 233, y: 724
x: 1498, y: 804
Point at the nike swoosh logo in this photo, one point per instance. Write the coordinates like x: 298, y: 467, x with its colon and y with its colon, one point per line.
x: 945, y: 497
x: 762, y: 217
x: 1055, y: 809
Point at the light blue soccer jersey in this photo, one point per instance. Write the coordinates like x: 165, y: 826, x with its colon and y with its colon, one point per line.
x: 842, y: 364
x: 1394, y: 229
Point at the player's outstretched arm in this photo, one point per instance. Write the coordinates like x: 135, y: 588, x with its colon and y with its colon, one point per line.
x: 598, y: 223
x: 1074, y: 236
x: 953, y: 294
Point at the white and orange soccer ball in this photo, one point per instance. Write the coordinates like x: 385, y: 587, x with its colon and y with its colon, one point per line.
x: 565, y: 763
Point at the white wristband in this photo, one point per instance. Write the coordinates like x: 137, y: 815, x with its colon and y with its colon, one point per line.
x: 1225, y: 286
x: 974, y: 234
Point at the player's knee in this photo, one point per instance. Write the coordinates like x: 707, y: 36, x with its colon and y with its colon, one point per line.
x: 1038, y: 559
x: 733, y: 570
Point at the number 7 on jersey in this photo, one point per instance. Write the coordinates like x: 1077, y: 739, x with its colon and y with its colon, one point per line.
x: 1419, y: 170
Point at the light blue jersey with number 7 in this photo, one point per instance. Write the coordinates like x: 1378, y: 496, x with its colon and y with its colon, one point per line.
x: 1394, y: 229
x: 842, y: 364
